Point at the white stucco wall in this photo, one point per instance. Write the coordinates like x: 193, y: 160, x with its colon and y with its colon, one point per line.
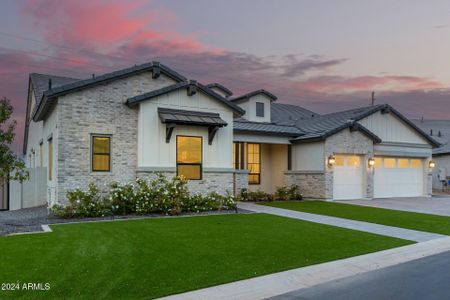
x: 153, y: 151
x: 308, y: 157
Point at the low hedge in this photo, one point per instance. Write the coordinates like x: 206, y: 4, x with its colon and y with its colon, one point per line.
x: 169, y: 197
x: 283, y: 193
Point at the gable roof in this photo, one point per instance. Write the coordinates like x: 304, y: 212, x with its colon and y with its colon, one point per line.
x: 226, y: 91
x: 108, y: 77
x: 184, y: 85
x: 323, y: 126
x: 247, y: 96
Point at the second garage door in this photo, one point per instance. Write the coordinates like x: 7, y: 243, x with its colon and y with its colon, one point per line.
x: 398, y: 177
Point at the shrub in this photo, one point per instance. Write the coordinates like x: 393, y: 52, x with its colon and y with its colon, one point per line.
x: 286, y: 193
x: 122, y: 198
x: 257, y: 196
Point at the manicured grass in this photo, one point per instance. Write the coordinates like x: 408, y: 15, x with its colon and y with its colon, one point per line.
x: 143, y: 259
x: 397, y: 218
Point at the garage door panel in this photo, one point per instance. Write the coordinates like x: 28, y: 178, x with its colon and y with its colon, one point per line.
x: 398, y: 177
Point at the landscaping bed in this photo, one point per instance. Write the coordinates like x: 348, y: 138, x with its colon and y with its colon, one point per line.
x: 396, y: 218
x: 150, y: 258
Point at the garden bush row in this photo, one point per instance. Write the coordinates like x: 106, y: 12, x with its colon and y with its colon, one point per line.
x: 169, y: 197
x: 284, y: 193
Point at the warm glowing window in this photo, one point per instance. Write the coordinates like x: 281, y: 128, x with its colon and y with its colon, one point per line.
x: 41, y: 154
x: 339, y: 160
x: 189, y: 157
x: 389, y: 163
x: 403, y: 163
x: 101, y: 153
x: 416, y: 163
x: 238, y: 156
x: 378, y: 162
x: 254, y: 163
x: 353, y: 161
x: 50, y: 159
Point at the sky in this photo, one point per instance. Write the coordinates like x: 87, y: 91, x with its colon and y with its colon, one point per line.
x: 322, y: 55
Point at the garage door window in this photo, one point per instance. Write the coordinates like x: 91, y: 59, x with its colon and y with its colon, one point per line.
x: 389, y: 163
x: 403, y: 163
x: 339, y: 160
x: 416, y: 163
x: 378, y: 162
x: 353, y: 161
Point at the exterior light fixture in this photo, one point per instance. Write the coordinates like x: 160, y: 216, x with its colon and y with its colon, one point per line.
x: 331, y: 160
x: 371, y: 162
x: 431, y: 164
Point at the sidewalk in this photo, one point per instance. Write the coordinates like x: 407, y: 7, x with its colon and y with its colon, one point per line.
x: 407, y: 234
x: 280, y: 283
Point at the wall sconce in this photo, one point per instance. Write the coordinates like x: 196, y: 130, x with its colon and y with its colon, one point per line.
x: 431, y: 164
x: 371, y: 162
x: 331, y: 160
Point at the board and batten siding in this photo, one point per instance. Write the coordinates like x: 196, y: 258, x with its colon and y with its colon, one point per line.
x: 389, y: 128
x: 153, y: 151
x: 250, y: 108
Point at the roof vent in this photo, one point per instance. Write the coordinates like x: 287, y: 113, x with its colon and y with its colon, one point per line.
x: 49, y: 83
x: 192, y: 88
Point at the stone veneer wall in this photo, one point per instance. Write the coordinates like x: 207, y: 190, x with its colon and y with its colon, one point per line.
x: 100, y: 110
x: 348, y: 142
x: 219, y: 182
x: 240, y: 181
x: 311, y: 184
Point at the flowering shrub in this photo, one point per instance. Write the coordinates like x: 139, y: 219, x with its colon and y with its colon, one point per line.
x: 284, y: 193
x: 169, y: 197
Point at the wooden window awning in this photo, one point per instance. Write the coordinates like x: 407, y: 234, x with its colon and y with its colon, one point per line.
x: 173, y: 117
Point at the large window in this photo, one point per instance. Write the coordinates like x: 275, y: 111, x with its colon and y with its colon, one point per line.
x: 101, y: 153
x: 189, y: 157
x: 50, y: 159
x: 254, y: 163
x: 238, y: 156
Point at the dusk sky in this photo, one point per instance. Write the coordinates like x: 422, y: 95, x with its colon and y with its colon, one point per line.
x: 323, y: 55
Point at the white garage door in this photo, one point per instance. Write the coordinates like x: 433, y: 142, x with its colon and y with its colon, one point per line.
x: 347, y: 177
x: 398, y: 177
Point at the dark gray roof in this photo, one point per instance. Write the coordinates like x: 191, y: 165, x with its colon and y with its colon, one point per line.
x: 437, y: 126
x: 288, y: 114
x: 40, y: 83
x: 226, y: 91
x: 254, y: 93
x: 177, y: 116
x: 324, y: 126
x: 241, y: 125
x: 81, y: 84
x: 184, y: 85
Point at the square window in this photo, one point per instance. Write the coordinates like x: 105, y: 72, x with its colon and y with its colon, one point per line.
x: 378, y: 162
x: 340, y: 160
x: 416, y: 163
x: 389, y: 163
x: 259, y: 109
x: 403, y: 163
x: 353, y: 161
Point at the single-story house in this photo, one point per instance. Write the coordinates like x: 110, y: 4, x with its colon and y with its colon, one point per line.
x: 440, y: 131
x: 136, y: 122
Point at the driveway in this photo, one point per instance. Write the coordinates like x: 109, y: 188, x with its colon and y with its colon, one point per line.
x: 433, y: 205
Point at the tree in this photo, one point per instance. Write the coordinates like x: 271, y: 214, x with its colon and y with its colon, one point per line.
x: 11, y: 166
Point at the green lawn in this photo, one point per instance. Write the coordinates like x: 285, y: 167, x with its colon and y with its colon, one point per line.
x: 397, y: 218
x: 143, y: 259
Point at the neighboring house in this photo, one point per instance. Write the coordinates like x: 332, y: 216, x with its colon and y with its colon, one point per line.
x: 440, y: 131
x: 147, y: 119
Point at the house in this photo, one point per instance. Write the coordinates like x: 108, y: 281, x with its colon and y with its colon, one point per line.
x: 148, y: 119
x: 440, y: 131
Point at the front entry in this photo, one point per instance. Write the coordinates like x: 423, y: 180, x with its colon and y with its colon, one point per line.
x: 398, y: 177
x: 348, y: 177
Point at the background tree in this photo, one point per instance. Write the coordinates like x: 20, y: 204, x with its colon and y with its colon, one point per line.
x: 10, y: 164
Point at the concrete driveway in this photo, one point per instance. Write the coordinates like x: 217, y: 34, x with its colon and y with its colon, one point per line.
x: 434, y: 205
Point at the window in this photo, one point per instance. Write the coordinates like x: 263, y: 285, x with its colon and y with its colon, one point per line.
x: 389, y: 163
x: 101, y: 153
x: 254, y: 163
x: 259, y: 109
x: 403, y: 163
x: 41, y: 154
x: 50, y: 159
x: 416, y: 163
x: 353, y: 161
x: 238, y: 156
x: 339, y: 160
x: 189, y: 157
x: 378, y: 162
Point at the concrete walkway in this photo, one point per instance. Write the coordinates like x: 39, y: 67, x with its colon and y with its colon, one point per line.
x: 407, y: 234
x: 427, y: 205
x: 284, y: 282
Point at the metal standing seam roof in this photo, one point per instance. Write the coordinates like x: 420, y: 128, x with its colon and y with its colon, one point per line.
x: 288, y: 114
x: 242, y: 125
x: 177, y: 116
x: 254, y: 93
